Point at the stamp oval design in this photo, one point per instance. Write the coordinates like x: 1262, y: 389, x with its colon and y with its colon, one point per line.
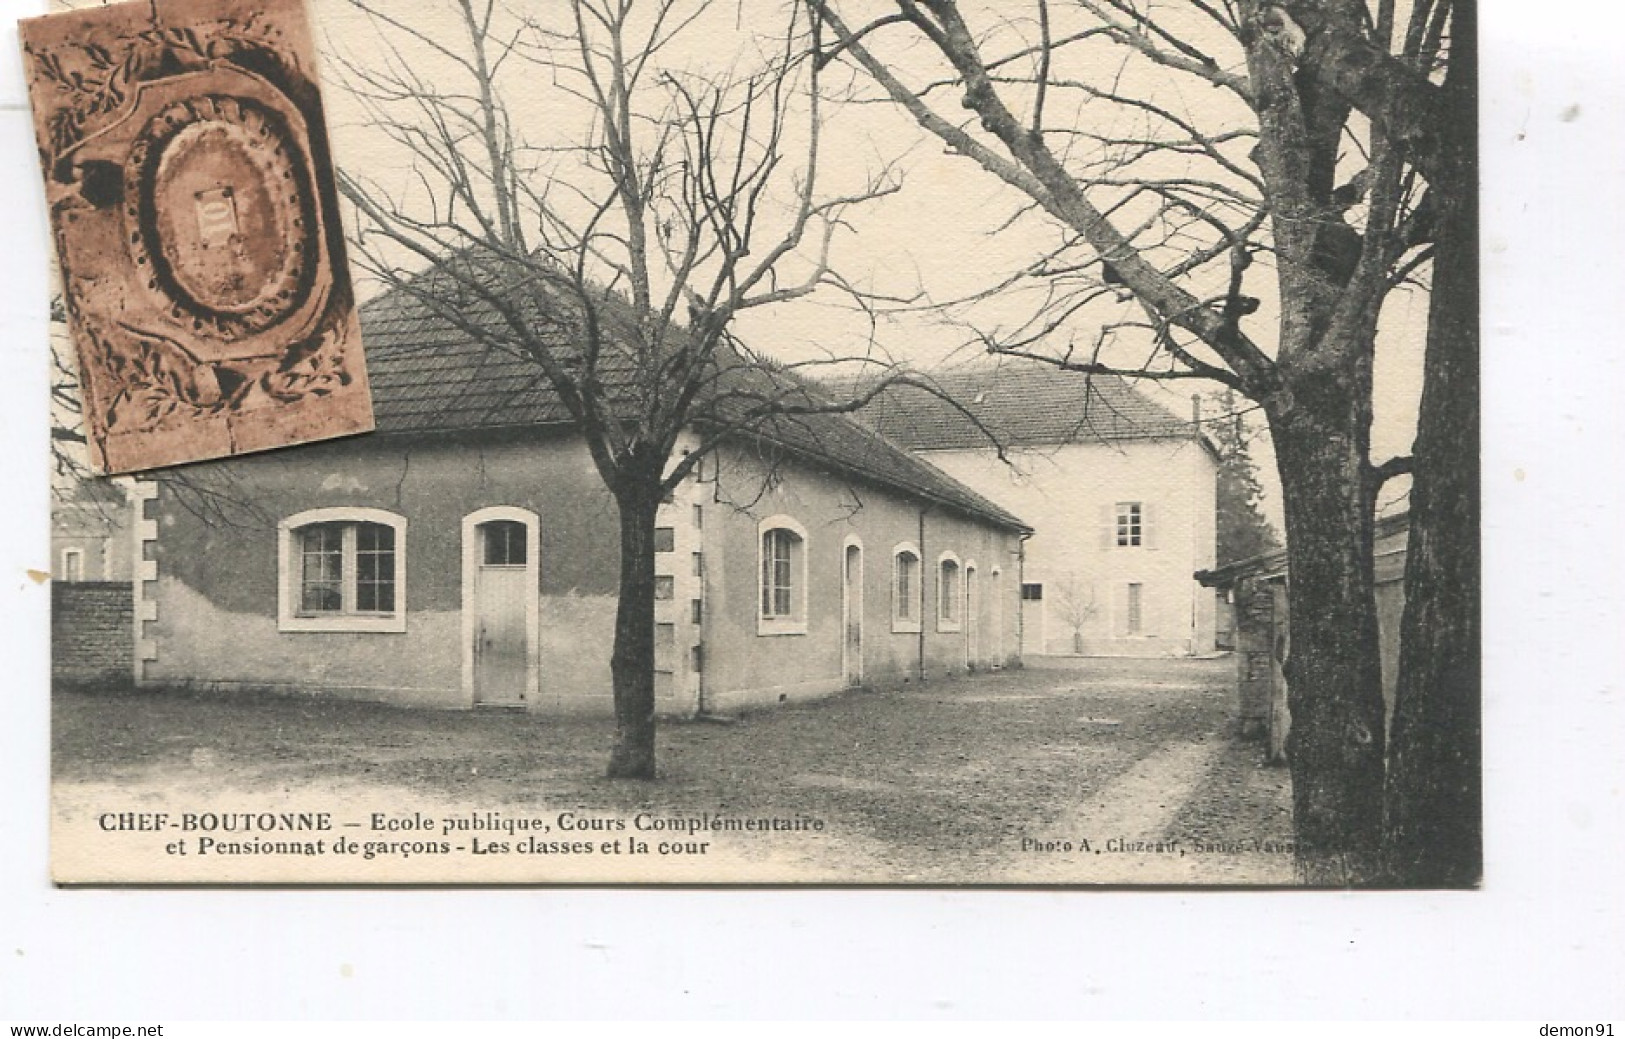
x: 224, y: 208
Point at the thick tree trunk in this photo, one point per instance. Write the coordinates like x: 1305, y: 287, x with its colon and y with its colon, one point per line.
x: 1434, y: 795
x: 1333, y: 671
x: 632, y: 663
x: 1434, y: 823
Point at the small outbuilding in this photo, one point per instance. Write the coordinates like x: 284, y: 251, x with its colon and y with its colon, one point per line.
x: 1256, y: 591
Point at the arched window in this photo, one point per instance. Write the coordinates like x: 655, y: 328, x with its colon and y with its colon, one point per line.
x: 342, y: 570
x: 949, y: 592
x: 783, y: 559
x: 907, y: 587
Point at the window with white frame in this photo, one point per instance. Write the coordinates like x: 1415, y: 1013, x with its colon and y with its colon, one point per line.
x: 346, y: 568
x: 783, y: 559
x: 907, y: 588
x: 73, y: 565
x: 342, y: 570
x: 1130, y: 524
x: 778, y: 586
x: 949, y: 593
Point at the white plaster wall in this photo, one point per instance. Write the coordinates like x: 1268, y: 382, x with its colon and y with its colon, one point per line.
x: 207, y: 613
x: 200, y: 643
x: 747, y: 669
x: 1068, y: 493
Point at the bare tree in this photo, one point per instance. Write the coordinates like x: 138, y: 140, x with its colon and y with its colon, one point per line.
x: 618, y: 252
x: 1076, y: 600
x: 1433, y: 801
x: 1201, y: 163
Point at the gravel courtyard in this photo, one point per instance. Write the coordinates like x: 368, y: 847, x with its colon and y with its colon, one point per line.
x: 1077, y: 771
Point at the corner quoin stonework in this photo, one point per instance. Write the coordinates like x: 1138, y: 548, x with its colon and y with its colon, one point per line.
x: 145, y: 532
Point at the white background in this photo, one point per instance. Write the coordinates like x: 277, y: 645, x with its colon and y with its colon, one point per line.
x: 1542, y: 940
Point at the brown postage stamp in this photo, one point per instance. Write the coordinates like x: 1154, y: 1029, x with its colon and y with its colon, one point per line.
x: 195, y: 220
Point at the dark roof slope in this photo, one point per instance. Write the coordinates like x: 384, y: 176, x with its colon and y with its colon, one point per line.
x: 1273, y: 563
x: 1020, y: 404
x: 429, y: 375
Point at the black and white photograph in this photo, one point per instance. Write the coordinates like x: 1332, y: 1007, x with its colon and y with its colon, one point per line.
x: 1034, y: 510
x: 922, y: 444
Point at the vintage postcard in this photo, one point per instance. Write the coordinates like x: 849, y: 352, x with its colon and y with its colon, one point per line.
x: 978, y: 444
x: 193, y: 209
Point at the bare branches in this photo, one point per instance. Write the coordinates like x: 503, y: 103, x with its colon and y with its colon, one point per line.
x: 1167, y: 361
x: 1151, y: 192
x: 1161, y: 190
x: 70, y: 460
x: 769, y: 409
x: 824, y: 57
x: 1045, y: 54
x: 1057, y: 187
x: 1395, y: 92
x: 1378, y: 475
x: 615, y: 249
x: 1142, y: 33
x: 954, y: 136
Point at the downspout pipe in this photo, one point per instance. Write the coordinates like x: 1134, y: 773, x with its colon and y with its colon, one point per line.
x: 1021, y: 603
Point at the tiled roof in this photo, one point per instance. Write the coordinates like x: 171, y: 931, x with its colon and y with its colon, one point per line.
x: 1019, y: 403
x: 429, y: 375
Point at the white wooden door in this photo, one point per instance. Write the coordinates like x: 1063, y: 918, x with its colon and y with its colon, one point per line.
x: 500, y: 650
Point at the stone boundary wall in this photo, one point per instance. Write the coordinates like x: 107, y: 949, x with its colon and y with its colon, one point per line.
x: 92, y: 632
